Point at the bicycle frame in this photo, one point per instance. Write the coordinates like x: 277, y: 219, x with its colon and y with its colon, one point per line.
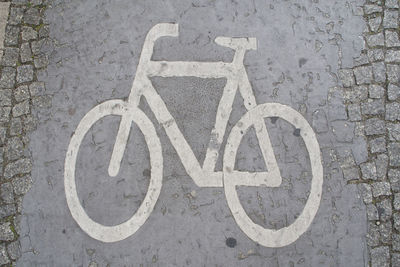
x: 236, y: 75
x: 203, y: 176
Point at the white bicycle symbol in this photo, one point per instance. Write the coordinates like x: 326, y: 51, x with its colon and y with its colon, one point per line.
x: 203, y: 176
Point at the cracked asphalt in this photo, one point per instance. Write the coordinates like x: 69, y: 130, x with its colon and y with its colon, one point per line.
x: 335, y: 62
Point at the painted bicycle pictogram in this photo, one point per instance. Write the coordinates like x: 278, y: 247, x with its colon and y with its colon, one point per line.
x: 205, y: 175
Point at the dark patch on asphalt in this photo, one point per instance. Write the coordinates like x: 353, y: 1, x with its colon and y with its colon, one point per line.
x: 274, y: 119
x: 231, y: 242
x: 146, y: 173
x: 302, y: 61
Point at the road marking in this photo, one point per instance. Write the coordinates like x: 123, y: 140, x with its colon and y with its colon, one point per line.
x: 129, y: 227
x: 204, y: 176
x: 287, y: 235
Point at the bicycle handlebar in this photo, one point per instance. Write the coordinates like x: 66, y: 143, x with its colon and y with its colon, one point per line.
x: 163, y: 29
x: 159, y: 30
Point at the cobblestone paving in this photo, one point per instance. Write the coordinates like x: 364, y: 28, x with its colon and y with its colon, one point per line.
x: 4, y: 7
x: 372, y: 95
x: 370, y: 91
x: 20, y: 92
x: 95, y: 61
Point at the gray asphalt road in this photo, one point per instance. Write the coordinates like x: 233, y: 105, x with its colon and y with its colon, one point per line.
x: 94, y: 51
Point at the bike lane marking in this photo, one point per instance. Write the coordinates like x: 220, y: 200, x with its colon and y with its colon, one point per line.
x: 289, y: 234
x: 123, y: 230
x: 128, y: 111
x: 189, y: 222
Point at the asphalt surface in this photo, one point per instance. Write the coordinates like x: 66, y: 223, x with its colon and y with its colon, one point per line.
x: 308, y: 58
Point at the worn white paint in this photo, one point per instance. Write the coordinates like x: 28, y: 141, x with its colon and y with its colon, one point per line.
x: 203, y: 176
x: 289, y: 234
x: 125, y: 229
x: 4, y: 7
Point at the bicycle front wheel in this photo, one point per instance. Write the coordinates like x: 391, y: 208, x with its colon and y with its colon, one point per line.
x: 263, y: 236
x: 117, y: 232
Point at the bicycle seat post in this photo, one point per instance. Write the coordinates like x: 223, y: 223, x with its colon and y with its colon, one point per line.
x: 236, y: 43
x: 239, y: 44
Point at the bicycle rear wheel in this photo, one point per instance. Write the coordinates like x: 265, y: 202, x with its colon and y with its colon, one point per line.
x: 117, y: 232
x: 263, y: 236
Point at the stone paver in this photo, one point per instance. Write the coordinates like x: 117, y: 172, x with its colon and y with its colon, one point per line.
x: 4, y: 6
x: 17, y: 73
x: 309, y: 57
x: 381, y: 126
x: 92, y: 55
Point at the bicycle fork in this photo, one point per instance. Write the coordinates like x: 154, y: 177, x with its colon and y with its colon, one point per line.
x: 120, y: 145
x: 134, y: 97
